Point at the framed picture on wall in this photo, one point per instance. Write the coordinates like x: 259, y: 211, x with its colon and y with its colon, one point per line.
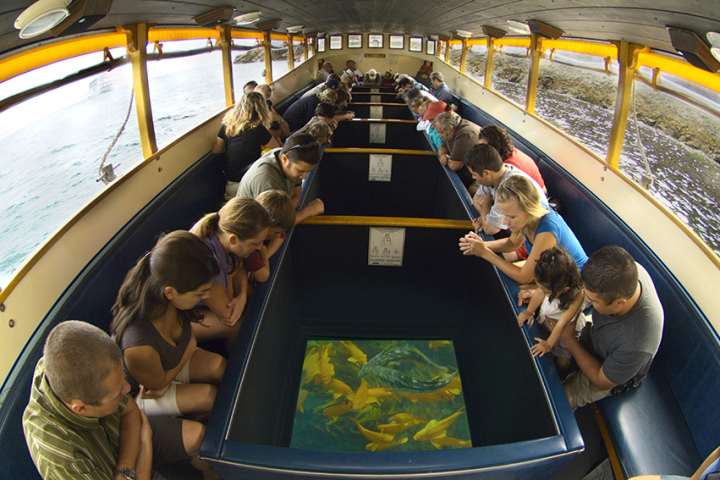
x: 321, y: 44
x: 354, y: 40
x: 375, y: 40
x: 397, y: 41
x: 416, y: 44
x: 430, y: 47
x: 335, y: 42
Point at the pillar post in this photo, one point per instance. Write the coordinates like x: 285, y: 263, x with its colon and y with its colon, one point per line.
x: 535, y: 46
x: 627, y: 56
x: 306, y: 51
x: 225, y: 47
x: 447, y: 51
x: 268, y: 57
x: 489, y: 62
x: 291, y: 51
x: 136, y: 45
x: 463, y: 56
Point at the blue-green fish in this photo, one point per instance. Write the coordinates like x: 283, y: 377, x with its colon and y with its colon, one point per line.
x: 380, y: 367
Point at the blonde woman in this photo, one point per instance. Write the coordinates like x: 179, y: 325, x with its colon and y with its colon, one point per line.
x: 529, y: 221
x: 242, y: 136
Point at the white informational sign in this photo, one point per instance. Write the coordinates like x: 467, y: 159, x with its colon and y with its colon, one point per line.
x: 376, y: 111
x: 375, y: 99
x: 377, y: 132
x: 380, y: 168
x: 392, y: 59
x: 386, y: 246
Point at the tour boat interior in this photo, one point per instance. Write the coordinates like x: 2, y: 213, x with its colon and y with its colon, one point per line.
x: 323, y: 283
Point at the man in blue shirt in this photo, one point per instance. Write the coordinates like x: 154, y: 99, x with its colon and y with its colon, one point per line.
x: 440, y: 89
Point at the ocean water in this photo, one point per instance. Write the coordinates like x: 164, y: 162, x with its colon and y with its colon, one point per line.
x: 380, y: 396
x: 52, y: 145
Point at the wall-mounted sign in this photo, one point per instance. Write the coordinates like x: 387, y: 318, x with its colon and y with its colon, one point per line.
x: 376, y: 111
x: 386, y: 246
x: 380, y: 168
x: 377, y: 132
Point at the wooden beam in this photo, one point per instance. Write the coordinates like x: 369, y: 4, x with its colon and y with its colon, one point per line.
x: 225, y: 48
x: 447, y: 51
x: 268, y: 57
x: 534, y: 73
x: 389, y: 222
x: 627, y: 56
x: 291, y: 52
x: 489, y: 62
x: 306, y: 50
x: 463, y: 56
x: 137, y: 41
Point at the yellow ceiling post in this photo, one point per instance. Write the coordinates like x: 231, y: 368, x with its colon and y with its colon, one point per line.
x: 305, y: 48
x: 268, y: 57
x: 627, y: 57
x: 438, y: 48
x: 137, y: 36
x: 535, y: 52
x: 291, y: 52
x: 489, y: 62
x: 225, y: 47
x: 447, y: 51
x: 463, y: 56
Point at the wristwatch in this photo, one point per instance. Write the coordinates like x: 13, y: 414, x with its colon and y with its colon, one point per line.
x: 128, y: 473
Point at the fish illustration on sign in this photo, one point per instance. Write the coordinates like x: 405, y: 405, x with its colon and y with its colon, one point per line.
x: 380, y: 366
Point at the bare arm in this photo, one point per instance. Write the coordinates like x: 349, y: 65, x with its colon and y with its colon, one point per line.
x: 316, y: 207
x: 129, y: 439
x: 532, y: 307
x: 589, y: 365
x: 263, y: 274
x: 274, y: 143
x: 145, y: 365
x: 296, y: 197
x: 274, y: 246
x: 483, y: 204
x: 526, y: 273
x: 565, y: 318
x: 218, y: 146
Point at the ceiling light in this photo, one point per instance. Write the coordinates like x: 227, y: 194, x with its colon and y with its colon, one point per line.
x: 248, y: 18
x: 41, y: 16
x: 714, y: 39
x: 463, y: 33
x: 295, y: 29
x: 518, y: 27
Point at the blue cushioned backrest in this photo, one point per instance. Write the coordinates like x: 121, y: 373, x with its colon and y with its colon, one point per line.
x: 198, y: 191
x: 689, y: 353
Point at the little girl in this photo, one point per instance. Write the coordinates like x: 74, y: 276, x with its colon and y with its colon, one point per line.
x: 233, y: 233
x: 562, y: 297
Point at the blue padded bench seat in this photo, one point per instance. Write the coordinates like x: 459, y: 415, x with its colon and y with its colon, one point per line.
x: 669, y: 424
x: 198, y: 191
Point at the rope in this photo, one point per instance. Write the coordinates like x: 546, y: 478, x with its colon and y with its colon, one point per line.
x: 117, y: 135
x: 647, y: 178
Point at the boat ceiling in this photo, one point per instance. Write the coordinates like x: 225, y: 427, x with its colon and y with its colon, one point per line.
x: 637, y: 21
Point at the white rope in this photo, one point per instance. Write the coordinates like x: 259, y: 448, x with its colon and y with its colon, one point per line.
x: 117, y: 135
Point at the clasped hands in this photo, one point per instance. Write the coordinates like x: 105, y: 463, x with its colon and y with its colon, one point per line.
x: 472, y: 244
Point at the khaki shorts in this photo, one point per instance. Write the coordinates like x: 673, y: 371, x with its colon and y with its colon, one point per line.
x: 582, y: 390
x: 166, y: 406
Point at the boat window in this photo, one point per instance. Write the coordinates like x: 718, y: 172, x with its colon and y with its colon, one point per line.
x: 455, y: 54
x: 678, y: 125
x: 52, y: 147
x: 193, y: 82
x: 249, y: 62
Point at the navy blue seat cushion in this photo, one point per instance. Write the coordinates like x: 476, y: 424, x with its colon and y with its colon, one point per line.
x: 648, y: 429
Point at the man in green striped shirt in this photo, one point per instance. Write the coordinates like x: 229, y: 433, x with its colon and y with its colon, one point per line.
x: 80, y: 422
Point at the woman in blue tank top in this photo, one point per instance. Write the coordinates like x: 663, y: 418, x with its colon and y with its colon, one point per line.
x: 528, y: 220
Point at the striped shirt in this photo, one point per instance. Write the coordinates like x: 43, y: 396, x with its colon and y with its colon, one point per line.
x: 65, y: 445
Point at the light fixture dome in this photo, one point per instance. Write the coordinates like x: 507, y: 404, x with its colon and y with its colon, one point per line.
x: 714, y: 39
x: 248, y: 18
x: 518, y: 27
x: 41, y: 16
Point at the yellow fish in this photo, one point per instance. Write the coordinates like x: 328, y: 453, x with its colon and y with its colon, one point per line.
x: 435, y: 344
x: 445, y: 441
x: 356, y: 355
x: 377, y: 446
x: 311, y: 365
x: 395, y: 427
x: 326, y: 369
x: 361, y: 398
x: 381, y: 393
x: 301, y: 399
x: 436, y: 429
x: 338, y: 386
x: 406, y: 417
x: 376, y: 437
x: 455, y: 386
x: 422, y: 397
x: 336, y: 410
